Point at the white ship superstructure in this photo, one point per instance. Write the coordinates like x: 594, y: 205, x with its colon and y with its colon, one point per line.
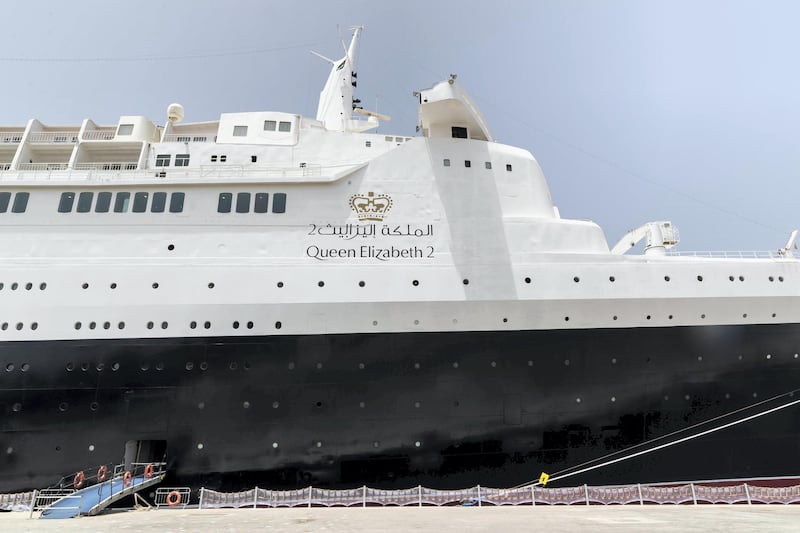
x: 264, y: 228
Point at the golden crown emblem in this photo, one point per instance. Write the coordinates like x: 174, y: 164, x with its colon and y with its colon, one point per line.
x: 372, y: 206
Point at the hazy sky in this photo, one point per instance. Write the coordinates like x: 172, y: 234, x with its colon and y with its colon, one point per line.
x: 636, y: 110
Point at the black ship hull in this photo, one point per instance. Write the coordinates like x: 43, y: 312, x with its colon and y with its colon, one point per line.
x: 444, y: 410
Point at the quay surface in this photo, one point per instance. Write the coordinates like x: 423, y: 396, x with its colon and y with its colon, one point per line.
x: 552, y: 519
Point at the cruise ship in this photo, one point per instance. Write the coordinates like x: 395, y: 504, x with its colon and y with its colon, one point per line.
x: 281, y: 300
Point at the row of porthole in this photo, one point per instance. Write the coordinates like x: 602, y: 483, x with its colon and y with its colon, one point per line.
x: 86, y: 366
x: 19, y: 325
x: 317, y: 444
x: 612, y: 279
x: 42, y: 286
x: 28, y: 286
x: 250, y: 325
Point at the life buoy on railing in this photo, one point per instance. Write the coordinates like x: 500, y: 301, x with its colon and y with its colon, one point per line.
x: 173, y: 498
x: 148, y: 471
x: 77, y: 481
x: 127, y: 478
x: 102, y: 472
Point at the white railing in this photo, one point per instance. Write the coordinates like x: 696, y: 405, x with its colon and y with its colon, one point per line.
x: 43, y: 166
x: 224, y: 171
x: 53, y: 137
x: 729, y: 255
x: 123, y: 165
x: 99, y: 135
x: 188, y: 138
x: 10, y: 137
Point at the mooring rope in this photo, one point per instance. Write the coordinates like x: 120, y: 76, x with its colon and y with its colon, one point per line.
x: 582, y: 468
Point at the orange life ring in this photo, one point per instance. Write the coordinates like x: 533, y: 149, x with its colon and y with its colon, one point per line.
x: 77, y: 481
x: 173, y: 498
x: 148, y: 471
x: 127, y: 479
x: 102, y: 472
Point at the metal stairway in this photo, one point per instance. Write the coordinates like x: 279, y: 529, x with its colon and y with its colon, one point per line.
x: 95, y: 498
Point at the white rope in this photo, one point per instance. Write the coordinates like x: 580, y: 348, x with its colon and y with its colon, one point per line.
x: 668, y: 444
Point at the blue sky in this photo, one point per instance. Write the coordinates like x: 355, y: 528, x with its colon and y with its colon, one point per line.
x: 637, y: 111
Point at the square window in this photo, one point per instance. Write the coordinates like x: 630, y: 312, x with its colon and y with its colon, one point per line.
x: 240, y: 131
x: 213, y: 159
x: 285, y: 126
x: 279, y: 202
x: 103, y: 202
x: 508, y: 168
x: 162, y: 160
x: 270, y: 125
x: 262, y: 202
x: 140, y: 202
x: 85, y: 202
x: 368, y: 144
x: 121, y: 202
x: 446, y: 162
x: 223, y: 158
x: 176, y: 200
x: 488, y: 165
x: 159, y: 202
x: 20, y: 202
x: 467, y: 163
x: 459, y: 132
x: 182, y: 160
x: 225, y: 201
x: 125, y: 129
x: 65, y: 204
x: 243, y: 202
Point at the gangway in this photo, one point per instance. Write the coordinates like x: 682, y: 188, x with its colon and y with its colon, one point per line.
x: 96, y: 497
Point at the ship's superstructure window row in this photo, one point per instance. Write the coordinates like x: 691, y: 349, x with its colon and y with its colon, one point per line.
x: 19, y: 205
x: 245, y: 201
x: 121, y: 202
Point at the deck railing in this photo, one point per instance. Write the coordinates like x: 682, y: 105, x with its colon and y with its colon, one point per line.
x: 53, y: 137
x: 121, y: 165
x: 729, y: 254
x: 188, y: 138
x: 99, y: 135
x: 10, y: 137
x: 43, y: 166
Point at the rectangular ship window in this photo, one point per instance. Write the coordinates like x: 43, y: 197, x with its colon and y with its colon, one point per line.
x: 225, y: 201
x: 240, y: 131
x: 20, y: 202
x: 103, y: 202
x: 459, y: 132
x: 140, y: 202
x: 270, y: 125
x: 121, y: 202
x: 5, y: 199
x: 223, y: 158
x: 182, y: 160
x: 159, y: 202
x: 85, y: 202
x: 162, y: 160
x: 176, y: 202
x: 488, y: 165
x: 262, y: 202
x: 279, y: 202
x: 285, y: 126
x: 125, y: 129
x: 65, y: 204
x: 243, y: 202
x: 213, y: 159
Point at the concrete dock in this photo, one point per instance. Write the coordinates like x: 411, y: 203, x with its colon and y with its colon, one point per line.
x: 542, y: 519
